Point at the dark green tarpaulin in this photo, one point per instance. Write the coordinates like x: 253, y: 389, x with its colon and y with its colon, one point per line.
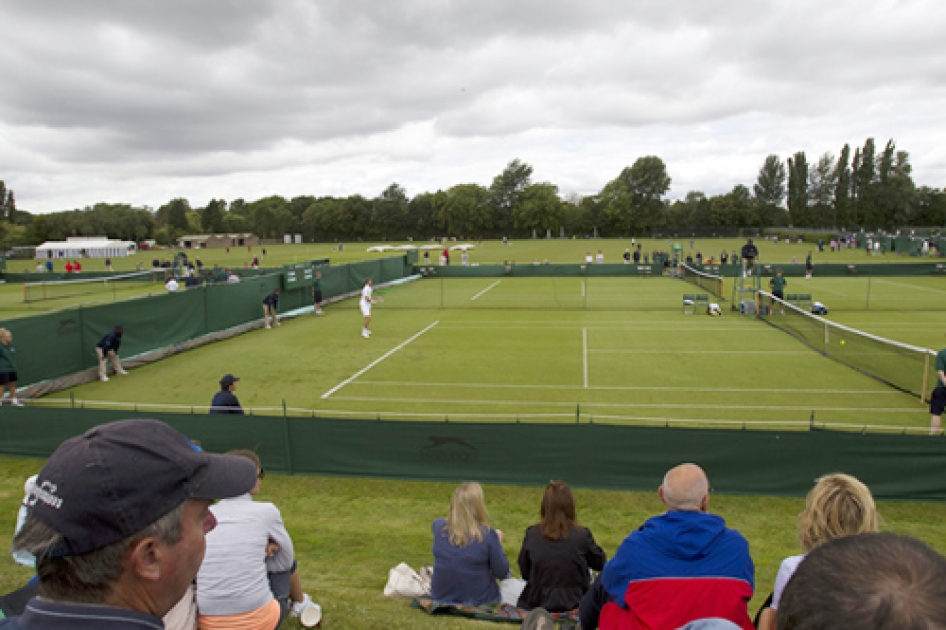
x: 601, y: 456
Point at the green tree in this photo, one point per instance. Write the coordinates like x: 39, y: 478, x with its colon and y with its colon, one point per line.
x: 842, y: 192
x: 633, y: 201
x: 863, y: 178
x: 895, y: 193
x: 770, y: 183
x: 798, y: 190
x: 823, y: 183
x: 389, y: 214
x: 506, y: 192
x: 174, y: 215
x: 420, y: 216
x: 931, y: 207
x: 211, y: 217
x: 540, y: 209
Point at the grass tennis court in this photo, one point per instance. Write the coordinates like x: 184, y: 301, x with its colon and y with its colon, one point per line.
x: 614, y: 350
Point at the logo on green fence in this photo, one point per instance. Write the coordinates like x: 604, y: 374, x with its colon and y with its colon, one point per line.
x: 447, y: 448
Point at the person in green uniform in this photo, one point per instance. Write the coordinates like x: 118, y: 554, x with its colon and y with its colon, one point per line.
x: 777, y: 284
x: 938, y: 398
x: 317, y: 292
x: 8, y: 373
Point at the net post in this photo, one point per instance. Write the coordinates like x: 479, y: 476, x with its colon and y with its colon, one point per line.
x: 926, y: 377
x: 577, y: 414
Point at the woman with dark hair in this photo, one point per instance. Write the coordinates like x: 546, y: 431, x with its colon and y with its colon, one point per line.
x: 556, y: 554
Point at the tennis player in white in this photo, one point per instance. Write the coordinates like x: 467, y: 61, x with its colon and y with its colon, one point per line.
x: 365, y: 304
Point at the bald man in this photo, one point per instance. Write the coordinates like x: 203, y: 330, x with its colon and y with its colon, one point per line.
x: 678, y: 567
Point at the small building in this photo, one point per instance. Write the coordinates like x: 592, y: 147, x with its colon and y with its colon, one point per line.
x: 204, y: 241
x: 86, y: 247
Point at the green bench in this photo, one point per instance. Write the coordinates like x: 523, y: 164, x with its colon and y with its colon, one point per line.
x: 692, y: 301
x: 799, y: 299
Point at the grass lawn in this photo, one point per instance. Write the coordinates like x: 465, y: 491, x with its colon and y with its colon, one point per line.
x: 491, y: 251
x: 619, y: 348
x: 349, y: 532
x: 527, y: 349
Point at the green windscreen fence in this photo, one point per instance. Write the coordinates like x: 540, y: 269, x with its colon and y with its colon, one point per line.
x: 601, y: 456
x: 63, y: 342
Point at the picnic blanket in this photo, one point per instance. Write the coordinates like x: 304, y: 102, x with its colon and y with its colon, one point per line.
x: 496, y: 612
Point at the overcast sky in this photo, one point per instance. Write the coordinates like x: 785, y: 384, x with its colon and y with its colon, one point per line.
x: 140, y: 101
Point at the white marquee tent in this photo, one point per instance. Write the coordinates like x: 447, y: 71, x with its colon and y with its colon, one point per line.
x: 86, y: 247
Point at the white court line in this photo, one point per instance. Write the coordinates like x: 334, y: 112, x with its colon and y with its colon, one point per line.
x: 376, y: 361
x: 544, y: 403
x: 485, y: 290
x: 622, y: 388
x: 631, y: 328
x: 909, y: 286
x: 672, y: 351
x: 582, y: 288
x: 584, y: 352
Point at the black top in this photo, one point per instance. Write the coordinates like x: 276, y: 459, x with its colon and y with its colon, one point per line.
x: 750, y: 251
x: 111, y: 341
x: 556, y: 571
x: 41, y: 614
x: 272, y: 299
x: 225, y: 402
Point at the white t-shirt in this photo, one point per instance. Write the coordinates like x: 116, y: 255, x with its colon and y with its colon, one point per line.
x: 171, y: 286
x: 785, y: 573
x: 366, y: 295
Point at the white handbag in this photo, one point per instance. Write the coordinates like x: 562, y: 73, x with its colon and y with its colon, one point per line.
x: 404, y: 581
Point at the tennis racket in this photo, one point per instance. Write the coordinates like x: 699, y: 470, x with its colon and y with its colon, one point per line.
x: 377, y: 297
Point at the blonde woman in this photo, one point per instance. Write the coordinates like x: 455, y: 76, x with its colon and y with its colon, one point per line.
x: 468, y: 553
x: 838, y: 506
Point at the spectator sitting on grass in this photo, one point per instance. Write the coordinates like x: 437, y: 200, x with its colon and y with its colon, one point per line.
x: 468, y: 553
x: 225, y: 401
x: 865, y: 582
x: 556, y: 554
x: 679, y: 567
x: 839, y: 505
x: 248, y: 578
x: 116, y: 522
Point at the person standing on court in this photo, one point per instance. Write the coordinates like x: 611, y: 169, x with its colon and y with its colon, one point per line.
x: 107, y: 348
x: 749, y: 253
x: 365, y: 305
x: 8, y: 373
x: 225, y: 401
x: 809, y: 267
x: 270, y: 304
x: 317, y: 292
x: 777, y: 284
x: 938, y: 398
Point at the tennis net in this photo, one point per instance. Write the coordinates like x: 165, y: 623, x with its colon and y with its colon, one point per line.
x: 58, y: 289
x: 907, y: 368
x: 706, y: 281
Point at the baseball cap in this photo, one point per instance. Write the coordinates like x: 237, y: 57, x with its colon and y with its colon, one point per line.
x: 228, y: 379
x: 116, y: 479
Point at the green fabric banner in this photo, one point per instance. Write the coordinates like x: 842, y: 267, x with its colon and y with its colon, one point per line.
x: 773, y: 463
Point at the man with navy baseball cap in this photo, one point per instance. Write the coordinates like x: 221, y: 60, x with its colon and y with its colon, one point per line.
x: 117, y: 522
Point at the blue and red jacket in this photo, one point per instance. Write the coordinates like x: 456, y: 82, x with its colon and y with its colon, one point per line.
x: 677, y: 568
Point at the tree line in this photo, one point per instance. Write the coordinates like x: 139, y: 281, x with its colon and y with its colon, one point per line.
x: 865, y: 189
